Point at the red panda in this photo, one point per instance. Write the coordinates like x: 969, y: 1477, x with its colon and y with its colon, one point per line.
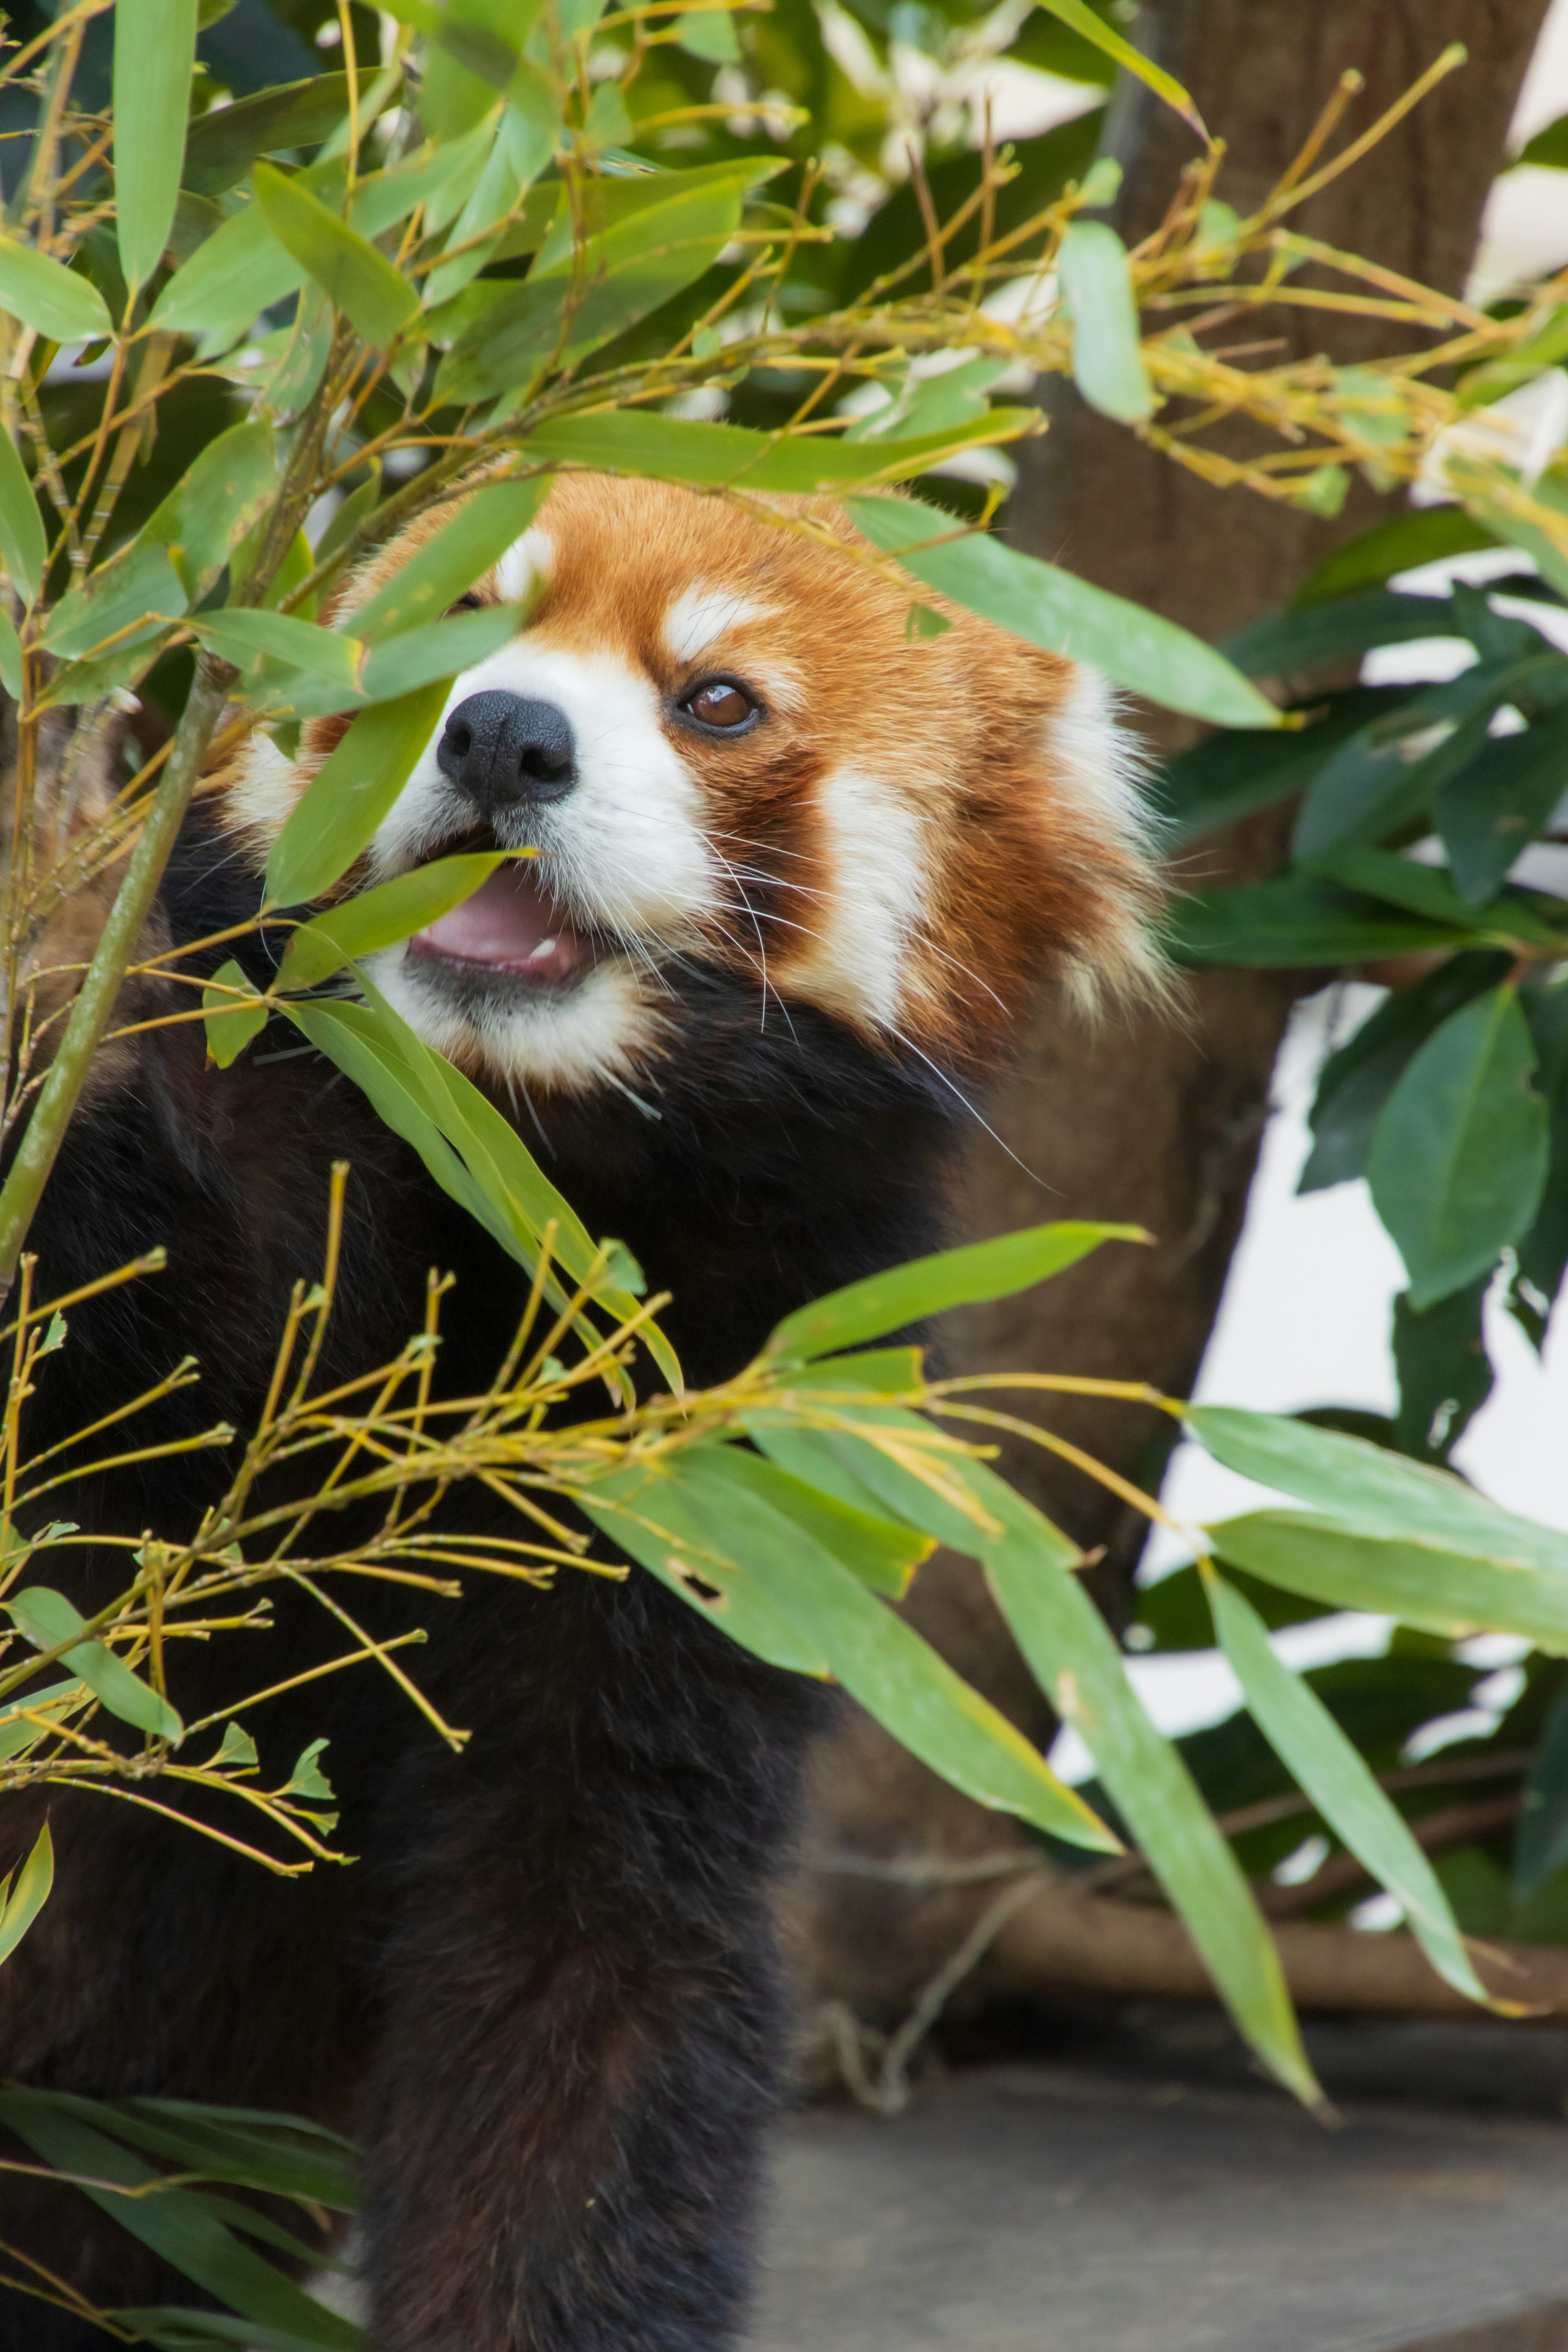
x: 801, y: 869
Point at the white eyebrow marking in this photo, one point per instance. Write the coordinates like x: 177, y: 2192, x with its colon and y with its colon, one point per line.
x: 527, y: 559
x: 700, y: 615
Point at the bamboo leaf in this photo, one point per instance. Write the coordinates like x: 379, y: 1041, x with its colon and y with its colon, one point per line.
x: 1106, y: 356
x: 347, y: 798
x: 48, y: 1619
x: 223, y: 494
x: 1081, y: 19
x: 1055, y: 609
x: 230, y: 1022
x: 859, y: 1536
x: 957, y: 1277
x: 44, y: 294
x: 238, y: 271
x: 453, y: 561
x: 154, y: 53
x: 1373, y: 1490
x: 220, y: 147
x: 23, y: 541
x: 1326, y: 1767
x: 379, y: 918
x: 1074, y: 1658
x: 246, y: 638
x: 1459, y: 1160
x: 1437, y: 1588
x: 184, y: 2226
x: 1297, y: 919
x: 21, y: 1904
x: 879, y: 1659
x: 575, y: 303
x: 677, y: 450
x: 348, y: 268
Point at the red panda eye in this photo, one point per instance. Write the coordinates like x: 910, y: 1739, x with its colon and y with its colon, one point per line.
x: 719, y: 703
x: 467, y: 603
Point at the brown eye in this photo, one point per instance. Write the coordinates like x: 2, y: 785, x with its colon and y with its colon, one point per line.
x: 720, y: 703
x: 469, y: 604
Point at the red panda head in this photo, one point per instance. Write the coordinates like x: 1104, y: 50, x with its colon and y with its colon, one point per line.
x: 733, y: 757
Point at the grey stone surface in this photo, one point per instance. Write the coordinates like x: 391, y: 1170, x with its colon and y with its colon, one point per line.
x: 1029, y: 2208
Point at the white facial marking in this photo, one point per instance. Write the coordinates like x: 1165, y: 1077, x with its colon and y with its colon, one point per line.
x: 622, y: 851
x: 698, y: 617
x: 1095, y: 757
x: 624, y: 848
x: 873, y: 898
x: 600, y: 1030
x: 263, y: 793
x: 527, y: 560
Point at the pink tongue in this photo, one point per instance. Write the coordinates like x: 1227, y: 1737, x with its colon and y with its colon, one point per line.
x: 509, y: 920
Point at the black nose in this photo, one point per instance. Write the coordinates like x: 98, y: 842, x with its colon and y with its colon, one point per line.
x: 500, y: 749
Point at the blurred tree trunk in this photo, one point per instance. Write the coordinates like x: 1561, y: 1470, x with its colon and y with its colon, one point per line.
x: 1146, y: 1120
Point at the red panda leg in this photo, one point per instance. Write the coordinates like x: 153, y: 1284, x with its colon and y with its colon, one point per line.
x: 582, y: 2021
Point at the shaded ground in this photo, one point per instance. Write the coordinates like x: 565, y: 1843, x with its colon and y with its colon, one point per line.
x: 1068, y: 2207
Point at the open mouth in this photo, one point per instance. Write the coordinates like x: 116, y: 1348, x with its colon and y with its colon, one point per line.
x: 511, y: 925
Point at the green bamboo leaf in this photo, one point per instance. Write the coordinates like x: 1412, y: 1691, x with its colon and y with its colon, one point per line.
x: 21, y: 1904
x: 1231, y: 774
x: 249, y: 2148
x: 377, y: 918
x: 442, y: 649
x: 1356, y: 1081
x: 858, y: 1536
x: 230, y: 1022
x: 245, y: 638
x: 1055, y: 609
x: 17, y: 1734
x: 184, y: 2226
x: 46, y: 1619
x: 347, y: 798
x: 10, y: 656
x: 709, y: 33
x: 1074, y: 1658
x: 1436, y: 1588
x: 815, y: 1458
x: 1327, y: 1769
x: 44, y: 294
x: 648, y: 1515
x: 1458, y: 1160
x: 1420, y: 535
x: 575, y: 303
x: 23, y: 541
x: 1339, y: 630
x: 1369, y: 788
x: 469, y: 1147
x: 453, y: 561
x: 1371, y: 1490
x: 1494, y: 808
x: 236, y: 273
x: 220, y: 147
x: 1428, y: 891
x: 1106, y: 357
x: 957, y: 1277
x: 1297, y: 919
x: 223, y: 494
x: 348, y: 268
x: 677, y: 449
x: 879, y: 1659
x: 155, y: 54
x: 182, y: 2328
x: 1081, y: 19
